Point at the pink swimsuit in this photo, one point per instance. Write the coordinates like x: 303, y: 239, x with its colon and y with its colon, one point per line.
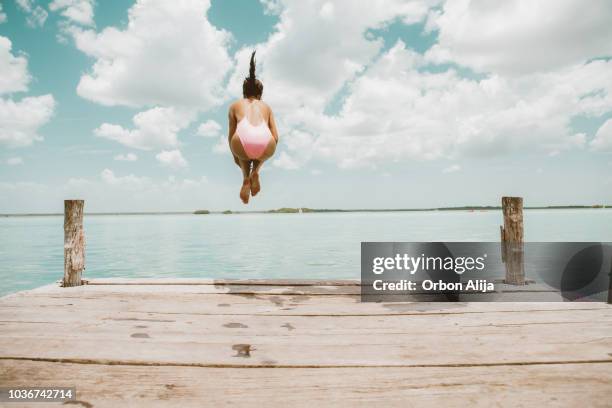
x: 254, y: 139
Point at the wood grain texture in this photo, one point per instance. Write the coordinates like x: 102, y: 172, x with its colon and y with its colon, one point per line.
x: 74, y: 242
x: 568, y: 385
x: 209, y: 343
x: 512, y: 240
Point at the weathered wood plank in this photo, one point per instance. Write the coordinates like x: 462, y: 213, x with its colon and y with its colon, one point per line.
x: 308, y: 351
x: 310, y: 340
x: 188, y: 302
x: 563, y: 385
x: 191, y: 299
x: 510, y: 293
x: 206, y: 281
x: 241, y: 342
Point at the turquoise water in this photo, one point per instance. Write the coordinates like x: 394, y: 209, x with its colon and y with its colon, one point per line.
x: 256, y: 245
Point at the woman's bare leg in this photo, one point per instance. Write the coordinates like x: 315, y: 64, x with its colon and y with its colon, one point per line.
x: 255, y: 185
x: 243, y: 161
x: 245, y: 166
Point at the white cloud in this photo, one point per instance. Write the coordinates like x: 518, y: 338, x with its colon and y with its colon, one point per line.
x: 168, y: 55
x: 14, y: 75
x: 272, y: 6
x: 436, y: 115
x: 210, y: 128
x: 130, y: 181
x: 126, y: 157
x: 76, y: 11
x: 110, y: 192
x: 396, y: 107
x: 299, y: 149
x: 19, y: 120
x: 36, y: 15
x: 113, y: 192
x: 521, y: 36
x: 154, y: 128
x: 222, y: 146
x: 2, y: 15
x: 444, y: 115
x: 452, y: 169
x: 14, y: 161
x: 603, y: 137
x: 318, y: 46
x: 172, y: 158
x: 143, y: 183
x: 285, y: 161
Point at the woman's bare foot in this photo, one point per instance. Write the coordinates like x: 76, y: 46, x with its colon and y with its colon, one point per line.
x: 245, y: 190
x: 255, y: 186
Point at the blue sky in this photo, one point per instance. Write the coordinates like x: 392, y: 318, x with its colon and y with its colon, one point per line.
x: 392, y: 105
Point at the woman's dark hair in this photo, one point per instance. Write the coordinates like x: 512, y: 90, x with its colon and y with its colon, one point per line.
x: 252, y: 87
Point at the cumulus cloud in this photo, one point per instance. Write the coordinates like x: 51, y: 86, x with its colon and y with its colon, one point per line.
x: 521, y: 36
x: 2, y: 15
x: 171, y: 158
x: 401, y: 105
x: 436, y: 115
x: 14, y: 161
x: 271, y: 6
x: 285, y: 161
x: 154, y: 128
x: 304, y: 68
x: 168, y: 55
x: 14, y: 76
x: 130, y: 181
x: 20, y: 120
x: 111, y: 191
x: 35, y: 14
x: 76, y: 11
x: 222, y: 146
x: 603, y: 137
x: 126, y: 157
x: 299, y: 149
x: 210, y: 128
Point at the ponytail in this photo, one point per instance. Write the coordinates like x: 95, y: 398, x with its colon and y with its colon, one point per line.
x: 252, y: 68
x: 252, y: 87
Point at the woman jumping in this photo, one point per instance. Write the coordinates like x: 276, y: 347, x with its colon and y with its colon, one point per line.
x: 252, y: 133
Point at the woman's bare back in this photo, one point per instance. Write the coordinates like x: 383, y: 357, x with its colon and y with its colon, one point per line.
x: 254, y: 109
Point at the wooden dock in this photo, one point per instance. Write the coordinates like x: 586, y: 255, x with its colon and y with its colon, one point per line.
x: 185, y: 342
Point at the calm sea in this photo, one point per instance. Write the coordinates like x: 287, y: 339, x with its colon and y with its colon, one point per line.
x: 256, y: 245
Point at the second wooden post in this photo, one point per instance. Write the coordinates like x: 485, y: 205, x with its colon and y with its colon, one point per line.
x: 512, y: 240
x: 74, y: 242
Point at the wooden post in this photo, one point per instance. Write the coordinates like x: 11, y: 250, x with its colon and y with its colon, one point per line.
x: 512, y: 240
x: 74, y: 242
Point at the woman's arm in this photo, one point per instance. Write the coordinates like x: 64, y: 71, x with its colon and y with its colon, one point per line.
x: 231, y: 118
x: 272, y: 126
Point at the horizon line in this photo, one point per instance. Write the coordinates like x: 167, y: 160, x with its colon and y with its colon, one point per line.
x: 293, y: 210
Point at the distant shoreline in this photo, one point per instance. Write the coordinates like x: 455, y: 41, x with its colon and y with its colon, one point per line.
x: 291, y: 210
